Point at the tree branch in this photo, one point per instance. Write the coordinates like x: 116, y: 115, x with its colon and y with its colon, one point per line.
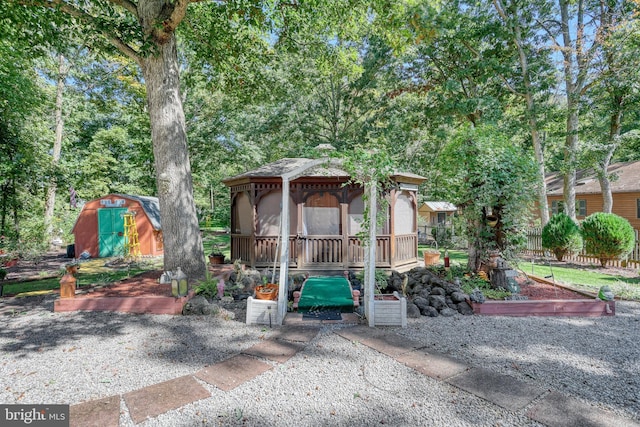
x: 88, y: 19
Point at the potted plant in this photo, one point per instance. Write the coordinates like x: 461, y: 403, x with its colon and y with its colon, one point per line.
x: 268, y: 291
x: 216, y: 256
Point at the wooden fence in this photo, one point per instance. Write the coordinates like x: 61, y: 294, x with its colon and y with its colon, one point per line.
x: 534, y: 247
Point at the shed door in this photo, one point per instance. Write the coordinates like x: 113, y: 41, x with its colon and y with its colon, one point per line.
x: 111, y: 232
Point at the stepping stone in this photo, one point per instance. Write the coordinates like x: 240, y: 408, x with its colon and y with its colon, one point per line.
x: 232, y: 372
x: 504, y: 391
x: 296, y: 333
x: 276, y: 350
x: 96, y: 413
x: 386, y: 343
x: 557, y: 410
x: 434, y: 365
x: 159, y: 398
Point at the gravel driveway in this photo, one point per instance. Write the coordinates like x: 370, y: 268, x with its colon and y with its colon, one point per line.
x: 68, y: 358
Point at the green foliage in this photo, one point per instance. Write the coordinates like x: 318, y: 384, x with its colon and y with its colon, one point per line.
x: 442, y: 235
x: 468, y: 284
x: 483, y: 169
x: 561, y: 235
x: 607, y: 236
x: 208, y: 287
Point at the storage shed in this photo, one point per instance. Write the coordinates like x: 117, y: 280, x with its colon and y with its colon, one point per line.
x: 100, y: 227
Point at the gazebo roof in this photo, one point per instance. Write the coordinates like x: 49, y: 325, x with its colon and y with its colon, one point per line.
x: 329, y: 170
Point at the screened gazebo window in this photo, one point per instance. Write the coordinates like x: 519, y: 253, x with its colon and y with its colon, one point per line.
x: 242, y: 215
x: 269, y: 208
x: 404, y: 222
x: 321, y: 214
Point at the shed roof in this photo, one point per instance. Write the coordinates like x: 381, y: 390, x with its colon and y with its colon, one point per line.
x: 331, y: 169
x: 440, y: 206
x: 626, y: 179
x: 150, y: 205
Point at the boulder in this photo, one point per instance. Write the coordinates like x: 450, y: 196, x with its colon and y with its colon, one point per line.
x: 430, y: 311
x: 459, y: 297
x: 413, y: 312
x: 437, y: 301
x: 465, y: 308
x: 448, y: 312
x: 421, y: 303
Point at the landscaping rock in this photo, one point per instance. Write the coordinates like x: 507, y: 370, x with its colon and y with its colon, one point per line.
x: 437, y: 301
x: 465, y: 308
x: 448, y: 312
x: 430, y: 311
x: 413, y: 312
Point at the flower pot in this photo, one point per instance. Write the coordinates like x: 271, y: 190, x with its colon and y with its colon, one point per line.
x: 216, y: 259
x: 267, y: 292
x: 431, y: 258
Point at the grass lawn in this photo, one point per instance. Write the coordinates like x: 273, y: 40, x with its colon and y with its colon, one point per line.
x: 37, y: 287
x: 216, y: 237
x: 587, y: 279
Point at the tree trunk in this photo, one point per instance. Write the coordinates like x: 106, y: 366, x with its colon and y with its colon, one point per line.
x: 603, y: 175
x: 573, y: 90
x: 50, y: 201
x: 181, y: 232
x: 543, y: 205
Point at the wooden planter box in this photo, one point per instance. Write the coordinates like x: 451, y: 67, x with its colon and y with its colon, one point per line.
x: 258, y: 312
x: 576, y: 307
x: 390, y: 310
x: 216, y: 259
x: 431, y: 258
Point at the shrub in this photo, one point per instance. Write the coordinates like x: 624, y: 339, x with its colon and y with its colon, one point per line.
x: 561, y: 235
x: 607, y: 236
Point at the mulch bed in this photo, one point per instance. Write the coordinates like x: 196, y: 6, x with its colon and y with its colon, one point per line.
x: 541, y: 291
x: 144, y: 284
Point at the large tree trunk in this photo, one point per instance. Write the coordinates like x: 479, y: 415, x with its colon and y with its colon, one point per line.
x: 50, y: 201
x: 182, y: 240
x: 603, y: 175
x: 514, y: 24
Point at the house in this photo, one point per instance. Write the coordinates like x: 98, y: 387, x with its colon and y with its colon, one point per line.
x: 100, y: 228
x: 325, y: 216
x: 437, y: 213
x: 625, y: 191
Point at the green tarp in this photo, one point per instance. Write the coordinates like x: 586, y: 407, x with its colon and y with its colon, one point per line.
x: 326, y: 293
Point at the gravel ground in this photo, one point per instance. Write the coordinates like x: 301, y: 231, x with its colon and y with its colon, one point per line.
x: 48, y: 357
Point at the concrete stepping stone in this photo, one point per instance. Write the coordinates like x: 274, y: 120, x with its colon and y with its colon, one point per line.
x: 96, y: 413
x: 557, y: 410
x: 275, y: 350
x: 504, y: 391
x: 296, y: 333
x: 159, y: 398
x: 232, y: 372
x: 433, y: 365
x: 386, y: 343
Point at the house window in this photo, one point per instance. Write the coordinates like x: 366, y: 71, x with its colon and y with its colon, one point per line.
x: 638, y: 208
x: 442, y: 217
x: 581, y: 207
x: 557, y: 206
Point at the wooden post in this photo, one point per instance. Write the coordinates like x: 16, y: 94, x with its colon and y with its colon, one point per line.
x: 370, y: 260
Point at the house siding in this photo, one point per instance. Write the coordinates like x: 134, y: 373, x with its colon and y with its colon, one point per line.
x: 624, y: 205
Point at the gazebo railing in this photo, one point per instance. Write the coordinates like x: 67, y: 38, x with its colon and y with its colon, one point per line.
x: 323, y: 251
x: 406, y: 248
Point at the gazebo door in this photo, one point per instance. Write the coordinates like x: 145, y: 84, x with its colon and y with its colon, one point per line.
x: 321, y: 240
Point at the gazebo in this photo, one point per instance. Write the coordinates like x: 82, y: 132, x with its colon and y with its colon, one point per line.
x: 325, y: 218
